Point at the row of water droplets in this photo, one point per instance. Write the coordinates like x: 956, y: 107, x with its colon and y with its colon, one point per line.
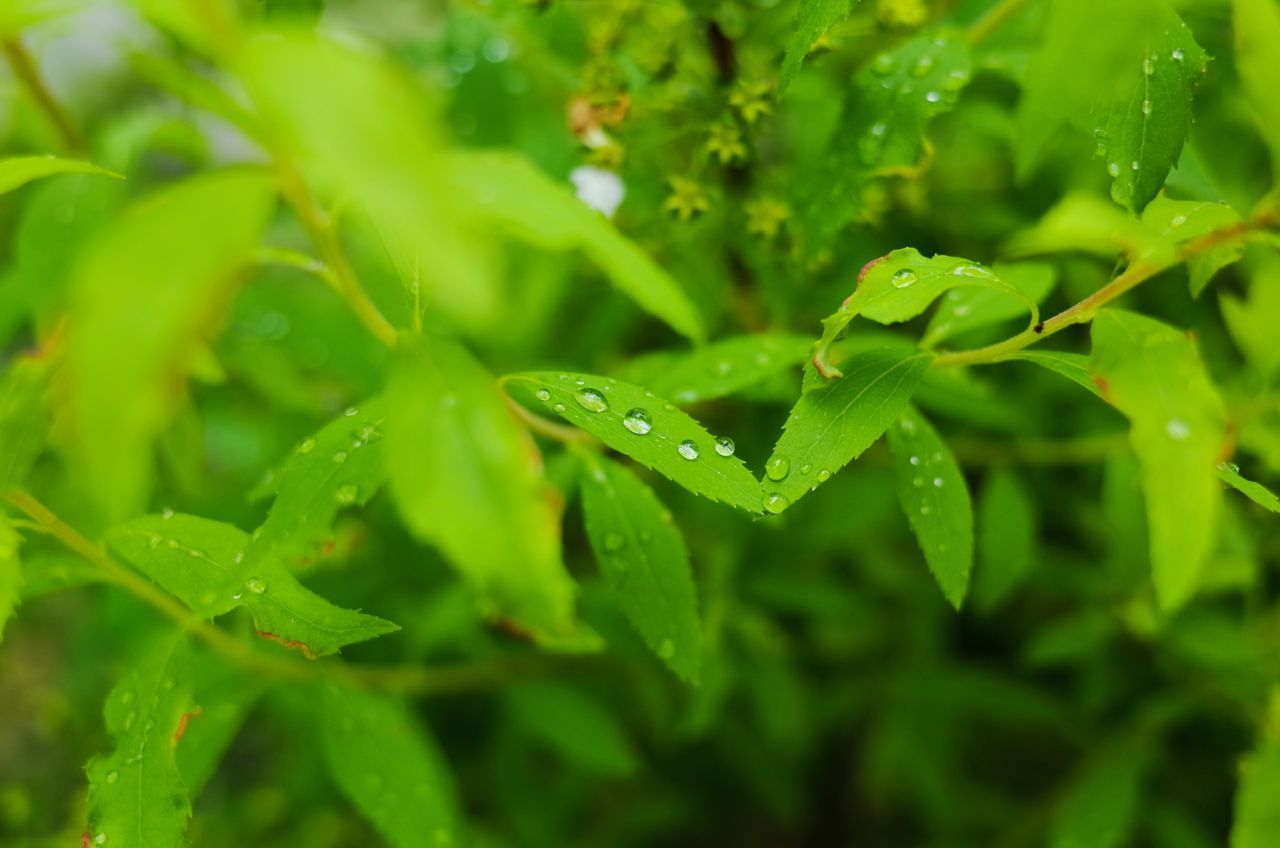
x: 256, y: 585
x: 924, y: 481
x: 884, y: 66
x: 906, y: 277
x: 1177, y: 55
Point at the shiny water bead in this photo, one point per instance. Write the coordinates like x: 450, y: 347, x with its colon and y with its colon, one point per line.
x: 638, y: 421
x: 775, y: 503
x: 778, y: 467
x: 903, y: 278
x: 725, y: 446
x: 688, y: 450
x: 592, y: 400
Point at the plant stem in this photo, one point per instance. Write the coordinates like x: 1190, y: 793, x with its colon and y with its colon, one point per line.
x: 982, y: 28
x: 28, y: 74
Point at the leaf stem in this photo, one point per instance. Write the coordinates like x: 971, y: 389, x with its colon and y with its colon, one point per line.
x: 28, y: 74
x: 984, y: 26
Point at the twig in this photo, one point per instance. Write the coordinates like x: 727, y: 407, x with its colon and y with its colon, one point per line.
x: 27, y: 72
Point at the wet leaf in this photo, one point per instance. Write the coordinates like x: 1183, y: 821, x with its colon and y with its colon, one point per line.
x: 1182, y: 221
x: 1256, y: 492
x: 718, y: 369
x: 813, y: 19
x: 970, y: 308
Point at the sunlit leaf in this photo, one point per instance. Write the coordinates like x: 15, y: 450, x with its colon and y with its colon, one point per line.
x: 833, y: 424
x: 653, y: 432
x: 1185, y: 220
x: 813, y: 19
x: 1153, y: 374
x: 467, y: 479
x: 642, y: 554
x: 202, y: 562
x: 718, y: 369
x: 383, y: 760
x: 24, y: 421
x: 969, y: 308
x: 935, y: 498
x: 147, y: 295
x: 1256, y: 492
x: 21, y: 170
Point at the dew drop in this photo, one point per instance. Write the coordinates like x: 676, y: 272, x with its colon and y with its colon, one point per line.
x: 307, y: 445
x: 687, y: 449
x: 126, y: 697
x: 638, y: 421
x: 1177, y: 429
x: 1178, y: 54
x: 777, y: 468
x: 592, y: 400
x: 1113, y: 169
x: 824, y: 475
x: 166, y: 513
x: 559, y: 407
x: 351, y: 412
x: 195, y: 553
x: 775, y: 503
x: 903, y: 278
x: 915, y: 460
x: 924, y: 509
x: 113, y: 776
x: 667, y: 649
x: 543, y: 395
x: 346, y: 494
x: 937, y: 482
x: 933, y: 96
x: 100, y: 839
x: 907, y: 425
x: 806, y: 468
x: 154, y: 541
x: 256, y: 585
x: 1134, y: 165
x: 879, y: 128
x: 1148, y: 67
x: 1178, y: 220
x: 922, y: 66
x: 340, y: 456
x: 172, y: 544
x: 614, y: 542
x: 646, y: 536
x: 725, y: 446
x: 976, y: 272
x: 1146, y: 107
x: 883, y: 64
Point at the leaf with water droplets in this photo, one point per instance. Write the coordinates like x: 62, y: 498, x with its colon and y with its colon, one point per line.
x: 642, y: 554
x: 677, y: 446
x: 813, y: 19
x: 339, y: 467
x: 225, y: 694
x: 1182, y: 221
x: 1006, y: 536
x: 881, y: 130
x: 24, y: 421
x: 1144, y: 126
x: 149, y: 291
x: 21, y: 170
x: 10, y: 571
x: 718, y: 369
x: 468, y: 479
x: 1256, y: 492
x: 900, y: 286
x: 1257, y: 43
x: 971, y: 308
x: 515, y: 195
x: 1153, y: 374
x: 136, y: 793
x: 934, y: 496
x: 383, y: 759
x: 831, y: 425
x: 202, y: 562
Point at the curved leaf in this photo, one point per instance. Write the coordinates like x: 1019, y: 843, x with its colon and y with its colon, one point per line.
x: 20, y: 170
x: 718, y: 369
x: 813, y: 19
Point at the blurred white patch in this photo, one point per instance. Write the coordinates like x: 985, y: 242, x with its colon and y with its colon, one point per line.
x: 600, y: 189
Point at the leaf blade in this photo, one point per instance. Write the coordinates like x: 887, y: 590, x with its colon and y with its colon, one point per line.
x: 17, y: 171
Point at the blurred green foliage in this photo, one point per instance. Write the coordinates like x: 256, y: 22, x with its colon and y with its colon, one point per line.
x: 437, y: 423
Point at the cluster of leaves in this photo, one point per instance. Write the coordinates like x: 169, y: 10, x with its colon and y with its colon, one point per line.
x: 299, y: 315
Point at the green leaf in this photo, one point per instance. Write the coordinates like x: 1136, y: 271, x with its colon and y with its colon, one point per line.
x: 24, y: 421
x: 1181, y: 221
x: 642, y: 554
x: 136, y: 793
x: 20, y: 170
x: 970, y: 308
x: 1006, y: 536
x: 10, y: 571
x: 1144, y: 127
x: 1073, y: 366
x: 146, y: 297
x: 1256, y: 492
x: 935, y: 498
x: 1100, y: 810
x: 202, y: 562
x: 899, y: 287
x: 1257, y: 43
x: 340, y: 466
x: 17, y: 15
x: 384, y: 761
x: 882, y: 128
x: 1153, y: 374
x: 834, y: 423
x: 813, y: 19
x: 718, y: 369
x: 574, y: 726
x: 513, y: 194
x: 225, y: 695
x: 1083, y: 222
x: 1257, y: 814
x: 1252, y: 319
x: 653, y: 432
x: 467, y: 479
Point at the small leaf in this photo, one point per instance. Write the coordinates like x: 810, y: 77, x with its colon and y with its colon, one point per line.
x: 1073, y: 366
x: 1089, y: 224
x: 1181, y: 221
x: 10, y: 571
x: 202, y: 562
x: 1006, y: 536
x: 1153, y: 374
x: 718, y: 369
x: 24, y: 421
x: 1100, y: 810
x: 901, y: 286
x: 648, y: 429
x: 340, y: 466
x: 136, y: 793
x: 510, y: 192
x: 574, y: 726
x: 834, y: 423
x: 467, y: 479
x: 935, y: 498
x: 965, y: 309
x: 813, y: 19
x: 1257, y: 43
x: 383, y: 760
x: 1145, y: 126
x: 1256, y: 492
x: 1252, y: 319
x: 20, y: 170
x: 644, y: 560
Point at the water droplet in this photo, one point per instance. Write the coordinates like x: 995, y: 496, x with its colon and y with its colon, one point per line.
x: 340, y: 456
x: 346, y: 494
x: 725, y: 446
x: 723, y: 367
x: 113, y: 776
x: 560, y: 407
x: 907, y: 425
x: 869, y: 147
x: 1146, y: 107
x: 638, y: 421
x: 775, y: 503
x: 1134, y: 165
x: 1177, y: 429
x: 154, y: 541
x: 777, y: 468
x: 915, y: 460
x: 937, y: 482
x: 166, y: 513
x: 924, y: 509
x: 351, y: 412
x: 933, y: 97
x: 883, y: 64
x: 614, y: 542
x: 1148, y: 67
x: 976, y: 272
x: 1178, y: 220
x: 956, y: 80
x: 543, y: 395
x: 1113, y: 169
x: 879, y: 128
x: 307, y: 445
x: 903, y: 278
x: 922, y: 66
x: 195, y: 553
x: 824, y: 475
x: 687, y: 449
x: 592, y: 400
x: 100, y: 839
x: 806, y: 468
x: 1229, y: 466
x: 667, y: 649
x: 256, y: 585
x: 1178, y: 54
x: 172, y: 544
x: 239, y: 557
